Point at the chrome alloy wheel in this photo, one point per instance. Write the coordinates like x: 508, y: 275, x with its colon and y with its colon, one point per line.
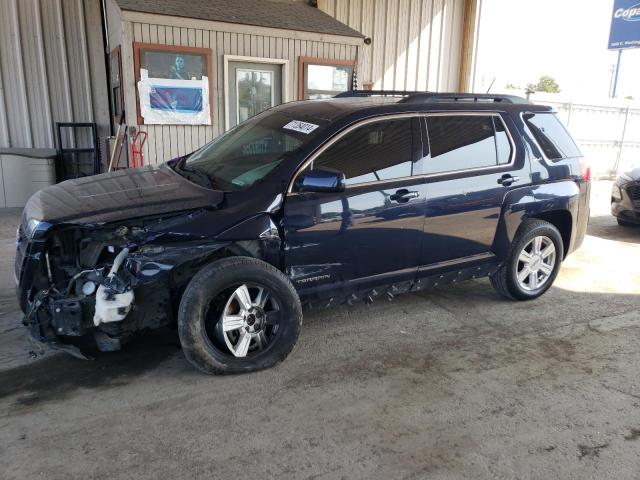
x: 249, y: 320
x: 536, y: 263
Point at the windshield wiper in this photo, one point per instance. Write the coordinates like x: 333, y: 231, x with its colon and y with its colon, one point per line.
x: 196, y: 174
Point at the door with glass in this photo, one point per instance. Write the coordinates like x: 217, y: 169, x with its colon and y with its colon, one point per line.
x: 253, y: 87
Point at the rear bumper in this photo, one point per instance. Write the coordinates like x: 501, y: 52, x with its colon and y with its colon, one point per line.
x: 581, y: 217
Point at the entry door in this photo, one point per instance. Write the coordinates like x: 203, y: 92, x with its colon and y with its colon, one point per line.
x: 253, y: 87
x: 370, y: 233
x: 471, y: 166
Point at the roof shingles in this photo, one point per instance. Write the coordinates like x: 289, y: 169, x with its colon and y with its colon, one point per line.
x: 284, y: 14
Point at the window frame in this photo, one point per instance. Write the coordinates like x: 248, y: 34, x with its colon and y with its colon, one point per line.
x: 160, y: 47
x: 284, y: 64
x: 304, y: 61
x: 116, y: 53
x: 461, y: 172
x: 421, y: 143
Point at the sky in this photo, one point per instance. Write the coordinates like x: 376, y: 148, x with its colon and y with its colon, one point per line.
x: 566, y: 39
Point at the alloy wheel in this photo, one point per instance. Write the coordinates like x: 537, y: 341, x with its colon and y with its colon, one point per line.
x: 249, y: 321
x: 536, y: 263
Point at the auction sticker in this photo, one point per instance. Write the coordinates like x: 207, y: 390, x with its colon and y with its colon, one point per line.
x: 302, y: 127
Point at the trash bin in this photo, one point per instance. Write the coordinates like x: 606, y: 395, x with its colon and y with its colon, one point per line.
x: 24, y: 171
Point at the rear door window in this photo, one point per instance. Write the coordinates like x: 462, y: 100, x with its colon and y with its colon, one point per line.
x: 464, y: 142
x: 373, y: 152
x: 552, y: 137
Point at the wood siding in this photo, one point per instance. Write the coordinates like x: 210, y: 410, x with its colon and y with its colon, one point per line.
x: 416, y: 44
x: 169, y: 141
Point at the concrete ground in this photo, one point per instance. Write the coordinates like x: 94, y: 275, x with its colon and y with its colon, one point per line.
x: 454, y: 383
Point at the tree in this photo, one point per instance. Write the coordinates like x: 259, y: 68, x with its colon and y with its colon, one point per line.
x: 512, y: 86
x: 545, y: 84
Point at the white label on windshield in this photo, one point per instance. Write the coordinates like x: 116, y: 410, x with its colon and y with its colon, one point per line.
x: 302, y: 127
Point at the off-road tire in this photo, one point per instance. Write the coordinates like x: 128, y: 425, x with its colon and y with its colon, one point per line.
x: 504, y: 279
x: 209, y: 283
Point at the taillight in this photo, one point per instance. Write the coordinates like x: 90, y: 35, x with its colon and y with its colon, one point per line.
x: 585, y: 170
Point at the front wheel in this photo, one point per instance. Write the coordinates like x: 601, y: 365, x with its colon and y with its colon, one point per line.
x: 533, y: 262
x: 237, y: 315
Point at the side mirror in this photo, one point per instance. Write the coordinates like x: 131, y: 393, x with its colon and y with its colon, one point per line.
x: 321, y: 181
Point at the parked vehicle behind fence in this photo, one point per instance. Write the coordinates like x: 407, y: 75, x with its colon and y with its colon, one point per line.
x: 309, y: 204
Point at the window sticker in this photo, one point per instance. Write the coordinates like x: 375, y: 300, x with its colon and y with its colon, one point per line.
x: 302, y: 127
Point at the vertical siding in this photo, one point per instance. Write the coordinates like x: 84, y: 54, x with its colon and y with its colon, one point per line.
x: 168, y: 141
x: 45, y: 72
x: 416, y: 44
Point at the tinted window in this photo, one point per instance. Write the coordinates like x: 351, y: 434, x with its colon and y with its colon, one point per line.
x: 376, y: 151
x: 553, y: 138
x: 462, y: 142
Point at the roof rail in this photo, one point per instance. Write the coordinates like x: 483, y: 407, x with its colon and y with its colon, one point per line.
x: 419, y: 97
x: 375, y: 93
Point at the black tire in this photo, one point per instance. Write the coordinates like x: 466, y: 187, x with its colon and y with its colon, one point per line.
x: 624, y: 223
x: 505, y: 279
x: 197, y: 312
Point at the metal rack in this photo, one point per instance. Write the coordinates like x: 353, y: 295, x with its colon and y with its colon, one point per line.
x: 77, y: 161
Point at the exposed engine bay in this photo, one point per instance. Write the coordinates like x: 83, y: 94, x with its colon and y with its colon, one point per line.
x: 100, y: 284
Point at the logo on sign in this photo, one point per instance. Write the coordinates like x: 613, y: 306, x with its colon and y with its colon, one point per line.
x: 631, y: 14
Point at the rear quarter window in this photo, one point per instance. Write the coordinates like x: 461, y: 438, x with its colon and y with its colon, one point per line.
x: 552, y: 137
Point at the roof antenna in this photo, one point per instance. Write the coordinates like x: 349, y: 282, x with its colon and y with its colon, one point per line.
x: 492, y: 82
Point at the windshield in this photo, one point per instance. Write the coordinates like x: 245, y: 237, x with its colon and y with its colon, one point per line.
x: 250, y: 151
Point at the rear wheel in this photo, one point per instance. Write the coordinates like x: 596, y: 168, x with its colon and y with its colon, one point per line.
x: 533, y: 262
x: 237, y: 315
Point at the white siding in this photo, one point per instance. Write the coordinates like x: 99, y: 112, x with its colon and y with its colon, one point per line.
x: 167, y: 141
x: 416, y: 44
x: 45, y: 75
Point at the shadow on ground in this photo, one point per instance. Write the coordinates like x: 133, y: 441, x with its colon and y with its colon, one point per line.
x: 57, y: 375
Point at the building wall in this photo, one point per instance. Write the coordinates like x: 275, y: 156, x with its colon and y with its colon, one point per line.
x: 52, y: 69
x: 416, y: 44
x: 168, y: 141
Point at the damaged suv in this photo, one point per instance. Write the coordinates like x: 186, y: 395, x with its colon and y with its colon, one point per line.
x: 311, y: 203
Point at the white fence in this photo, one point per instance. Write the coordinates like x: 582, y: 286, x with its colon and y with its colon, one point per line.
x: 609, y: 136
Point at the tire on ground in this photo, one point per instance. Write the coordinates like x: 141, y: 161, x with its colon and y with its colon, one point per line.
x: 210, y: 282
x: 505, y: 279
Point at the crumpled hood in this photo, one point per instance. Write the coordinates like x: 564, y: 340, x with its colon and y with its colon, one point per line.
x: 119, y: 195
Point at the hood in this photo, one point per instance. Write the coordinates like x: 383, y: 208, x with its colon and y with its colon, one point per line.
x: 119, y: 195
x: 634, y: 174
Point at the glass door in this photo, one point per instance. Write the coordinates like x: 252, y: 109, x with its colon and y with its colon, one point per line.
x: 252, y: 88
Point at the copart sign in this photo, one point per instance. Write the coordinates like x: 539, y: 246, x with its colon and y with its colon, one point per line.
x: 625, y: 25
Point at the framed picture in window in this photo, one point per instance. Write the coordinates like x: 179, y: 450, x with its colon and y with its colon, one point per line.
x: 323, y: 78
x: 173, y: 84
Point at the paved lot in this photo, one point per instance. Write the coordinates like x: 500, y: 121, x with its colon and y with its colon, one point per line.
x: 454, y: 383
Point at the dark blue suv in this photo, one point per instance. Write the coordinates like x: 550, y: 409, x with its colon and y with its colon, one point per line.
x: 311, y: 203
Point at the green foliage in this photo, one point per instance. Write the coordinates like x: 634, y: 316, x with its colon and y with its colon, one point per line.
x: 545, y: 84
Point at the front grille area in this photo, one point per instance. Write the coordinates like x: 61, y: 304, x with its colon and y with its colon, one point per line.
x: 634, y: 192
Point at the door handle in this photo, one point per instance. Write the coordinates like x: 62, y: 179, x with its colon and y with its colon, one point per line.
x: 508, y: 179
x: 403, y: 195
